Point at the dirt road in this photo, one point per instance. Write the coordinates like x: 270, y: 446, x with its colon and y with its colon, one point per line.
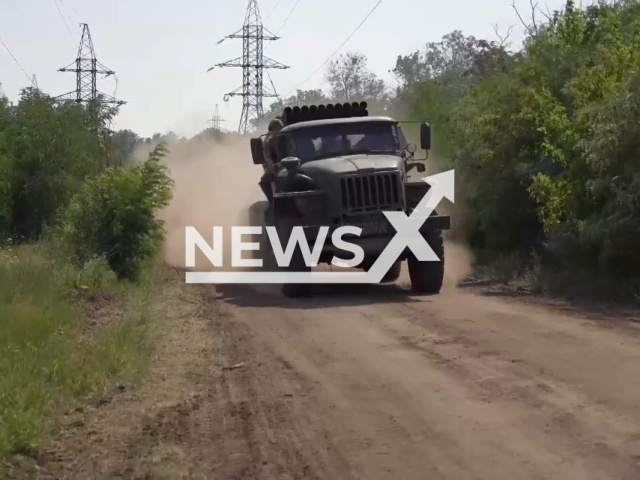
x: 379, y: 384
x: 371, y: 383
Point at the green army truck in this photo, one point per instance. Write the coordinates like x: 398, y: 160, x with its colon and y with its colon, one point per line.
x: 337, y: 165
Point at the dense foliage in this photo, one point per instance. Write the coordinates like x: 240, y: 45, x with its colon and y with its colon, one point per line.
x: 46, y: 151
x: 545, y: 141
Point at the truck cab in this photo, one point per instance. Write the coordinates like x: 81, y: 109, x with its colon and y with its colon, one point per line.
x: 344, y: 167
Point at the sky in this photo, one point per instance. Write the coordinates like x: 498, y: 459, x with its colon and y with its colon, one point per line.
x: 161, y: 49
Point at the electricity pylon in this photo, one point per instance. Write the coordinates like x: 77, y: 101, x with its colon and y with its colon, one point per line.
x: 87, y: 67
x: 253, y: 62
x: 216, y: 120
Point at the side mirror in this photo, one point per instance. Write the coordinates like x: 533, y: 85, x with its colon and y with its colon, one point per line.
x: 290, y: 163
x: 257, y: 151
x: 411, y: 148
x: 425, y: 136
x: 417, y: 165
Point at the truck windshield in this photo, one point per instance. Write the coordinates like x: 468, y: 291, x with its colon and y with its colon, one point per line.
x: 346, y: 139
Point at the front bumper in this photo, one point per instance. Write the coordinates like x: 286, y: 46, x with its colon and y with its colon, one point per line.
x: 373, y: 242
x: 383, y: 227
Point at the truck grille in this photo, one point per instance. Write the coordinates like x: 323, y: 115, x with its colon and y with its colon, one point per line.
x: 361, y: 193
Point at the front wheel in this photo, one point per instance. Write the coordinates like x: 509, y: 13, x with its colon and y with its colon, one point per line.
x: 296, y: 290
x: 297, y: 264
x: 428, y: 277
x: 392, y: 274
x: 259, y: 216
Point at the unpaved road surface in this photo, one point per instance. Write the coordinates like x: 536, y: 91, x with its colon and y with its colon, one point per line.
x: 370, y: 383
x: 379, y: 384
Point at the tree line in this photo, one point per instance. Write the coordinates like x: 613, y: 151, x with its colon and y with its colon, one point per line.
x: 65, y: 181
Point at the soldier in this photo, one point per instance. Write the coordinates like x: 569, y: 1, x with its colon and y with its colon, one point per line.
x: 270, y: 157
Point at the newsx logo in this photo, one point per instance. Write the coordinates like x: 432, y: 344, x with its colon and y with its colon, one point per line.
x: 407, y: 236
x: 283, y: 257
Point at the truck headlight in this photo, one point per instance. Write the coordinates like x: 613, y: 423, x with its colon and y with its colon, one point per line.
x: 311, y: 206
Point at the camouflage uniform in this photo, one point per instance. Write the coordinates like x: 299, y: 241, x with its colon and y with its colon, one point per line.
x: 270, y: 158
x: 269, y: 154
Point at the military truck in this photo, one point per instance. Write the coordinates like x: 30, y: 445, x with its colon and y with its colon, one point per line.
x: 337, y: 166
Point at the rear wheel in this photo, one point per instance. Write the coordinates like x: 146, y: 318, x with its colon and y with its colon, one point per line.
x: 427, y: 277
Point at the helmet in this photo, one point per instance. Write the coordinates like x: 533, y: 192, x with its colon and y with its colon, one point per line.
x: 275, y: 125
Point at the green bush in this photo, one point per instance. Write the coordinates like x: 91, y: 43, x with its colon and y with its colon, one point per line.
x: 113, y: 216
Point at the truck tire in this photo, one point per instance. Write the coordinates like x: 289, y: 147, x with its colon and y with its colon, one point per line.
x: 391, y: 276
x: 259, y: 214
x: 265, y: 253
x: 427, y: 277
x: 296, y: 290
x: 293, y: 290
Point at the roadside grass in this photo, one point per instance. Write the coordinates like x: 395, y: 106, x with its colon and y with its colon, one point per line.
x: 51, y: 357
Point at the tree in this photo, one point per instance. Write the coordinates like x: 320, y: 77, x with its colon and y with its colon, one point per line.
x: 452, y: 56
x: 124, y: 143
x: 431, y: 82
x: 350, y: 80
x: 46, y: 151
x: 454, y: 59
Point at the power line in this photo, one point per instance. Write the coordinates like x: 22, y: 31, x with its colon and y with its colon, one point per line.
x: 15, y: 60
x: 337, y: 49
x: 276, y: 34
x: 65, y: 22
x: 275, y: 92
x: 272, y: 10
x: 287, y: 19
x: 64, y: 7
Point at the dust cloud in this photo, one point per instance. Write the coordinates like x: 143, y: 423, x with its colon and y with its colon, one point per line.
x: 459, y: 259
x: 215, y: 183
x: 458, y: 263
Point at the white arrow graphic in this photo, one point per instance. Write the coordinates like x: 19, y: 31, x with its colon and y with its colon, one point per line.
x: 442, y: 186
x: 407, y: 236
